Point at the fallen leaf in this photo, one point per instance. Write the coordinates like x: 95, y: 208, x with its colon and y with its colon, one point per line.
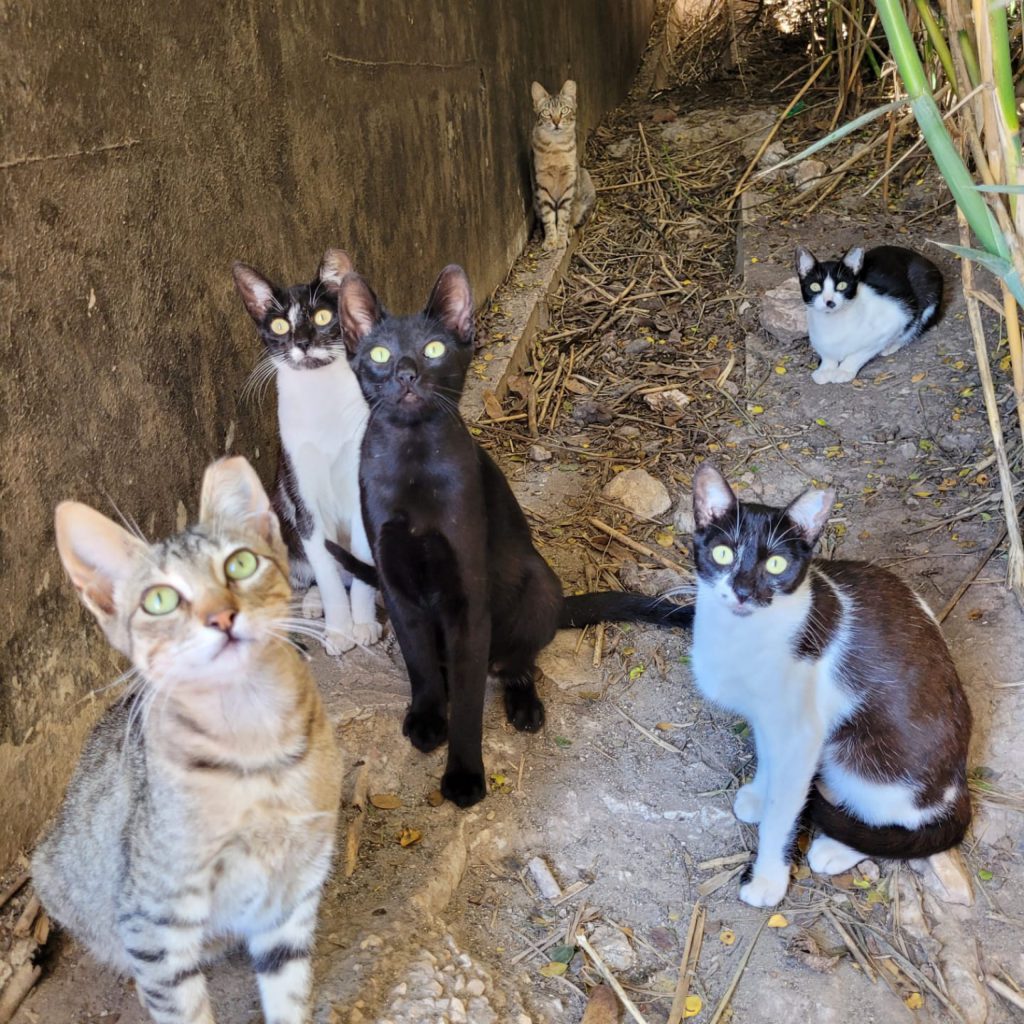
x: 914, y: 1001
x: 576, y: 387
x: 664, y: 539
x: 386, y: 801
x: 925, y: 445
x: 554, y: 969
x: 563, y: 741
x: 918, y: 377
x: 492, y: 406
x: 727, y: 936
x: 408, y: 836
x: 984, y: 874
x: 562, y: 954
x: 777, y: 921
x: 862, y: 883
x: 692, y: 1006
x: 975, y: 613
x: 635, y: 673
x: 780, y: 370
x: 821, y: 422
x: 435, y: 798
x: 756, y: 410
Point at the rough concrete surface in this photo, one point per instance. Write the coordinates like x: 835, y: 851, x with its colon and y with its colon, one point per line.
x: 144, y: 147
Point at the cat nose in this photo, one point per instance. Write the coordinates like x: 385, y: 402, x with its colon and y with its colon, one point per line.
x: 831, y: 303
x: 222, y: 620
x: 406, y: 372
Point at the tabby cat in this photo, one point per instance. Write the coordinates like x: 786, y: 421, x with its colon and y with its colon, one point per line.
x: 844, y: 677
x: 563, y: 194
x: 321, y: 416
x: 204, y: 804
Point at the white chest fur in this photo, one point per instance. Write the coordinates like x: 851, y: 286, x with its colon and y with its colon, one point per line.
x: 867, y: 323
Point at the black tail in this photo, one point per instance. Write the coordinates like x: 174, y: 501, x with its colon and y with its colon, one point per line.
x: 892, y: 841
x: 619, y: 606
x: 356, y: 566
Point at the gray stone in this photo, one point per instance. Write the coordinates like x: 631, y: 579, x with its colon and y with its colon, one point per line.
x: 638, y: 491
x: 808, y: 172
x: 782, y: 313
x: 613, y: 947
x: 538, y: 453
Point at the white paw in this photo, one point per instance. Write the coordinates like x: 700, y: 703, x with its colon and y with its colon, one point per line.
x: 891, y: 349
x: 823, y: 375
x: 312, y: 605
x: 765, y: 890
x: 841, y: 376
x: 366, y: 633
x: 749, y: 804
x: 336, y: 642
x: 828, y: 856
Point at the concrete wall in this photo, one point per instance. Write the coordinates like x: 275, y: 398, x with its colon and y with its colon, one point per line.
x: 143, y: 147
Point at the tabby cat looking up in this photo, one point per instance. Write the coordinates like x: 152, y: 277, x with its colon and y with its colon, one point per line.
x: 204, y: 804
x: 563, y: 193
x: 842, y: 672
x: 321, y: 416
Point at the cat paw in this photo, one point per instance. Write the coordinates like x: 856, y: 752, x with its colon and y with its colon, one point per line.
x: 828, y: 856
x: 824, y: 375
x: 312, y: 605
x: 366, y: 633
x: 524, y: 710
x: 426, y: 730
x: 550, y: 244
x: 463, y: 788
x: 336, y: 643
x: 749, y: 804
x: 765, y: 890
x: 841, y: 376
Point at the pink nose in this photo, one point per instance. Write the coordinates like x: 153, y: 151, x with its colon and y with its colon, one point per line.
x: 222, y: 620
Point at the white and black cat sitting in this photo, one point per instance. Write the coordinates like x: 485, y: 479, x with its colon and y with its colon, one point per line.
x: 866, y: 304
x: 465, y: 589
x: 321, y: 418
x: 847, y: 684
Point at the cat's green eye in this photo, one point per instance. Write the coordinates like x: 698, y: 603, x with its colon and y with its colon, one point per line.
x: 841, y: 287
x: 160, y: 600
x: 241, y: 565
x: 280, y: 326
x: 434, y: 349
x: 722, y: 554
x: 815, y: 287
x: 322, y: 317
x: 776, y: 564
x: 379, y: 354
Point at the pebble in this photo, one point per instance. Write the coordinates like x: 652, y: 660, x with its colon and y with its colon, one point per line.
x: 475, y: 987
x: 639, y: 492
x: 538, y: 453
x: 782, y: 312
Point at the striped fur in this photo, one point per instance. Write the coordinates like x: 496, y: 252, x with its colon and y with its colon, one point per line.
x: 563, y: 194
x: 204, y: 805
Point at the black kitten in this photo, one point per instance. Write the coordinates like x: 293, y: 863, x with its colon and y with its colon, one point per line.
x: 463, y: 584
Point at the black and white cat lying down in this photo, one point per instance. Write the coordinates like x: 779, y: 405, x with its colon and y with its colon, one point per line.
x: 845, y: 679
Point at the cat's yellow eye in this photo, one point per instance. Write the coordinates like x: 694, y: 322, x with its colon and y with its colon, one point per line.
x: 841, y: 287
x: 322, y: 317
x: 722, y: 554
x: 280, y: 326
x: 241, y: 565
x: 815, y: 287
x: 434, y: 349
x: 379, y: 354
x: 776, y: 564
x: 160, y: 600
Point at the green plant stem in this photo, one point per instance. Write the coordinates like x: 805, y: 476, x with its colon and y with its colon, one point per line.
x: 963, y: 37
x: 938, y: 41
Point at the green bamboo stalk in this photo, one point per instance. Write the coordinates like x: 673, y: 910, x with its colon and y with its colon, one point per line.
x: 963, y: 37
x: 901, y: 43
x: 1002, y: 66
x: 938, y: 41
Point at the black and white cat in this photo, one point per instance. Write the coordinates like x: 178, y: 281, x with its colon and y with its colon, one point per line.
x: 843, y: 675
x: 866, y: 304
x: 321, y: 418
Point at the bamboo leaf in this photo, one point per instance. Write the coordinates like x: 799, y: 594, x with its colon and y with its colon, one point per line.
x: 1007, y: 189
x: 938, y: 41
x: 999, y: 266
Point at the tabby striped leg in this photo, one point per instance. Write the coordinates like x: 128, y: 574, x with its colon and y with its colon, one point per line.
x: 547, y: 211
x: 281, y: 960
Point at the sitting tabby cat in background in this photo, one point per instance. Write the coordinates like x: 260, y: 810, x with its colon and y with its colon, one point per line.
x: 845, y: 679
x: 204, y: 804
x: 563, y: 194
x: 866, y: 304
x: 321, y: 417
x: 464, y: 587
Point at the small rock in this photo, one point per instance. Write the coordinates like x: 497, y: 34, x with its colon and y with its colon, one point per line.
x: 613, y: 947
x: 538, y: 453
x: 619, y: 149
x: 628, y: 431
x: 457, y: 1011
x: 782, y: 313
x: 808, y: 173
x: 592, y: 412
x: 946, y: 876
x: 774, y: 154
x: 475, y: 987
x: 683, y: 519
x: 637, y: 345
x: 639, y: 492
x: 672, y: 400
x: 663, y: 115
x: 480, y: 1012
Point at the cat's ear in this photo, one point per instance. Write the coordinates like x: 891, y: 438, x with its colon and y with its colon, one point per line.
x: 569, y: 89
x: 451, y: 302
x: 98, y: 554
x: 809, y: 513
x: 854, y: 259
x: 713, y: 498
x: 539, y: 94
x: 256, y: 291
x: 233, y: 496
x: 805, y: 261
x: 358, y: 310
x: 333, y: 267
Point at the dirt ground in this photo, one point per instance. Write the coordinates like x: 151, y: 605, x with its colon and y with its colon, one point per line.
x: 626, y: 794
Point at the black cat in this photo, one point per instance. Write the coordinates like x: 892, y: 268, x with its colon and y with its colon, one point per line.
x: 464, y: 586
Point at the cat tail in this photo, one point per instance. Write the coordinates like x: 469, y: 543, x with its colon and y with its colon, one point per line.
x: 892, y: 841
x: 362, y: 571
x: 617, y: 606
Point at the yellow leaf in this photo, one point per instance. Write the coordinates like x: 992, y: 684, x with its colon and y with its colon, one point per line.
x: 435, y: 798
x: 554, y: 969
x: 408, y: 836
x: 914, y: 1001
x: 386, y: 801
x: 664, y: 726
x: 918, y: 377
x: 1004, y: 363
x: 499, y: 779
x: 664, y: 539
x: 777, y: 921
x: 757, y: 409
x: 692, y: 1006
x: 780, y: 370
x: 727, y: 936
x: 922, y: 494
